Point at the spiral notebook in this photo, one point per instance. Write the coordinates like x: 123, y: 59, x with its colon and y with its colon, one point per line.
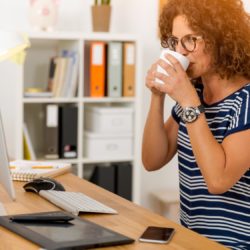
x: 24, y: 170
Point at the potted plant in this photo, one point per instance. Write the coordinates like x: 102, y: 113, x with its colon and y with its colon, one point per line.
x: 101, y: 12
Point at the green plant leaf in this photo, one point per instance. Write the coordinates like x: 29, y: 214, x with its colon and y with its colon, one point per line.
x: 102, y: 2
x: 105, y: 2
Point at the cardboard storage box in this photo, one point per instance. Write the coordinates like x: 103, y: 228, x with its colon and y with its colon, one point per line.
x: 109, y: 119
x: 103, y: 146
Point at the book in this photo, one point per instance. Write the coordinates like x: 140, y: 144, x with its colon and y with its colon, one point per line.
x: 71, y: 75
x: 104, y: 176
x: 128, y: 69
x: 67, y: 132
x: 29, y: 153
x: 114, y: 74
x: 25, y: 170
x: 72, y: 92
x: 62, y: 65
x: 123, y: 177
x: 58, y: 79
x: 45, y: 94
x: 97, y: 69
x: 52, y: 67
x: 51, y: 132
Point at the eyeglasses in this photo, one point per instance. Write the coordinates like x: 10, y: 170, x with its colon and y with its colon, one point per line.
x: 188, y: 42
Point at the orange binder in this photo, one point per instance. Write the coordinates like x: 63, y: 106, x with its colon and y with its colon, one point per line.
x: 128, y: 69
x: 97, y: 69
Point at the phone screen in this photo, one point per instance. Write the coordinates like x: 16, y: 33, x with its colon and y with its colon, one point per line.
x: 157, y: 234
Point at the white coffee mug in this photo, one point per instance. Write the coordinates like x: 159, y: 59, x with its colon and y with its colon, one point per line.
x: 182, y: 59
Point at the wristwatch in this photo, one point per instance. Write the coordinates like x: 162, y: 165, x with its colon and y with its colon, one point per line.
x: 190, y: 114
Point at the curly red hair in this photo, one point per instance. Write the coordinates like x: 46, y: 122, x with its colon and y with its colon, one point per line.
x: 224, y: 25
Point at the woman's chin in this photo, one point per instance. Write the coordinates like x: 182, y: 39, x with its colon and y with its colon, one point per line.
x: 192, y: 74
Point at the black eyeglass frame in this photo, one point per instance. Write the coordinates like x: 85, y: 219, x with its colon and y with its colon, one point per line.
x: 194, y: 38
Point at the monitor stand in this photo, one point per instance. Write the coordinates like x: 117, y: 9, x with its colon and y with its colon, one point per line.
x: 2, y: 210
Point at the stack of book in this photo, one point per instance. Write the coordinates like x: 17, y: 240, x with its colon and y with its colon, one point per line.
x: 37, y: 92
x: 62, y: 77
x: 63, y: 73
x: 60, y: 134
x: 60, y: 131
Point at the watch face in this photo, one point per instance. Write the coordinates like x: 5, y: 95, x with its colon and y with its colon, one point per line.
x: 189, y: 115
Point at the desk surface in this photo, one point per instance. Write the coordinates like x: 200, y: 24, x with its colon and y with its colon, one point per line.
x: 130, y: 221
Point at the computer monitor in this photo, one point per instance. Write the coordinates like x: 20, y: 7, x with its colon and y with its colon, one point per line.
x: 5, y: 176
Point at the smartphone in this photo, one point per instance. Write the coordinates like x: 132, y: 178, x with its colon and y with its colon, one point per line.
x: 157, y: 234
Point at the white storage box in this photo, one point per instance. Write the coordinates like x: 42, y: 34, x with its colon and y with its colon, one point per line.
x: 104, y: 146
x: 109, y: 119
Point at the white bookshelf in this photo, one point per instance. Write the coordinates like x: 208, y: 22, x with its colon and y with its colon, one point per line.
x: 16, y: 108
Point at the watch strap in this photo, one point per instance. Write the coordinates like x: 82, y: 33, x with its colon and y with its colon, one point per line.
x: 201, y: 108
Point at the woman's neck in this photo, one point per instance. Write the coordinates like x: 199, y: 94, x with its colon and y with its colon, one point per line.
x: 216, y: 88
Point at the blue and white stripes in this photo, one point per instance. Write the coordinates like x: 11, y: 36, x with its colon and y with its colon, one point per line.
x: 224, y: 218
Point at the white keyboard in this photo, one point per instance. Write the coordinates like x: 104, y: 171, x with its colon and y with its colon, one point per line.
x: 2, y: 210
x: 75, y: 202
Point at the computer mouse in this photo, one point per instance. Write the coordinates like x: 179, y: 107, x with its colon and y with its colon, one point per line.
x: 43, y: 183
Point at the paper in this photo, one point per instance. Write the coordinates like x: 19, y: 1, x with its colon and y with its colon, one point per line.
x: 24, y: 170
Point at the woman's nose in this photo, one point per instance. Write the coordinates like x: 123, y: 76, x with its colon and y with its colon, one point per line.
x: 180, y: 49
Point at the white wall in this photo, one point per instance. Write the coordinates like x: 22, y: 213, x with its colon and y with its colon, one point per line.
x: 135, y: 16
x: 247, y: 5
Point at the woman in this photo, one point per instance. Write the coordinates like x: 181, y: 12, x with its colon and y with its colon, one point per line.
x: 209, y: 126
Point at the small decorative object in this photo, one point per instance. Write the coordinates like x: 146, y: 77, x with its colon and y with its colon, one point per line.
x: 43, y: 14
x: 101, y: 12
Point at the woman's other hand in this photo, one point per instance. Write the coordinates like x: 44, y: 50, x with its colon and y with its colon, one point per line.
x: 176, y: 83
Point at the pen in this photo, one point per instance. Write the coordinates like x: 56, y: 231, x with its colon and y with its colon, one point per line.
x: 42, y: 167
x: 41, y: 218
x: 33, y: 167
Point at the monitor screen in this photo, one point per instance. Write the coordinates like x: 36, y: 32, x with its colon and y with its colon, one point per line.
x: 5, y: 177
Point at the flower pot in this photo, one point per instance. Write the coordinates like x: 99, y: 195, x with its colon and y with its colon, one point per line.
x: 101, y: 17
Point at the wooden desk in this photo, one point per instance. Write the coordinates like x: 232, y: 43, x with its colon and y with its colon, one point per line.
x: 131, y: 220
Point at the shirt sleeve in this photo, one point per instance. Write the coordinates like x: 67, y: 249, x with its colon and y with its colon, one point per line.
x: 241, y: 114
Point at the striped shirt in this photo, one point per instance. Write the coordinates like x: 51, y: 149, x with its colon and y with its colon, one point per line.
x: 224, y: 218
